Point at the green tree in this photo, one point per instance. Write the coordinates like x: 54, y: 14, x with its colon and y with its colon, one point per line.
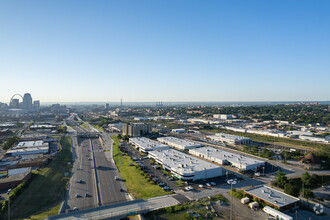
x: 306, y: 179
x: 290, y: 189
x: 281, y: 179
x: 307, y: 192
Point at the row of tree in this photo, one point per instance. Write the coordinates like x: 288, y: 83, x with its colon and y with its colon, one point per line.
x: 296, y: 187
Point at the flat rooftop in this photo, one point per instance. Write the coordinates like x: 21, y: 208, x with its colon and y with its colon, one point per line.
x: 225, y: 155
x: 272, y: 196
x: 145, y: 142
x: 185, y: 163
x: 230, y: 136
x: 30, y: 149
x: 177, y: 141
x: 28, y: 144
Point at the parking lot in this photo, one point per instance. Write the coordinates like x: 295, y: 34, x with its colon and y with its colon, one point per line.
x: 164, y: 178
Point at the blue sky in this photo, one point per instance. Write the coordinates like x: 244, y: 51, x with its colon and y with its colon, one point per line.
x: 64, y: 51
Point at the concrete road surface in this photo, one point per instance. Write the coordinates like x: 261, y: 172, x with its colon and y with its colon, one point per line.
x: 111, y: 190
x: 83, y: 169
x: 121, y: 210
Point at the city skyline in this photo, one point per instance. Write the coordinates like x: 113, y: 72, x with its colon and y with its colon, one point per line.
x: 146, y: 51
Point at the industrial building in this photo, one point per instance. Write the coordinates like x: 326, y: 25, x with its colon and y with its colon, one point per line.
x: 27, y: 151
x: 230, y: 139
x: 11, y: 178
x: 223, y: 116
x: 178, y: 143
x: 31, y: 144
x: 273, y: 197
x: 223, y: 157
x: 136, y: 129
x: 184, y: 166
x: 179, y: 130
x: 145, y: 144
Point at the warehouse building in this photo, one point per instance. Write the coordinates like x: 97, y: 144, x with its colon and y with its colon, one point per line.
x: 273, y: 197
x: 27, y: 151
x: 31, y: 144
x: 145, y: 144
x: 223, y: 157
x: 184, y: 166
x: 230, y: 139
x: 178, y: 143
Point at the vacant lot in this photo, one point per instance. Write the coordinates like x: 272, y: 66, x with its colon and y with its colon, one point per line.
x: 47, y: 187
x: 135, y: 181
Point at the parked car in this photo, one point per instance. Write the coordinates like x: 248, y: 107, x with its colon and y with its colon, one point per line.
x: 170, y: 178
x: 161, y: 184
x: 207, y: 184
x: 213, y: 183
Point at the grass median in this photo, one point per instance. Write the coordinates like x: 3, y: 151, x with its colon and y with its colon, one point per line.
x: 47, y: 187
x: 135, y: 181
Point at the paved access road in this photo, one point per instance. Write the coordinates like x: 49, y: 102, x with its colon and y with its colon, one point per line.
x: 83, y: 169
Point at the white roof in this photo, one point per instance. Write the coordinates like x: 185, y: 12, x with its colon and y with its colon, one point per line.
x: 146, y: 143
x: 181, y: 162
x: 272, y: 196
x: 25, y: 144
x: 177, y: 141
x: 225, y: 155
x: 31, y: 149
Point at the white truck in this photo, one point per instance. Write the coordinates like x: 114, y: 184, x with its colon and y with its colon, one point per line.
x: 277, y: 214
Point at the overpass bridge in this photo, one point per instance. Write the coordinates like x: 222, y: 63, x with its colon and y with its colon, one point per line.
x: 88, y: 134
x: 120, y: 210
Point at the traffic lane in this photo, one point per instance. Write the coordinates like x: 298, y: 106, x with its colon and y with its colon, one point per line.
x: 109, y: 187
x: 82, y: 171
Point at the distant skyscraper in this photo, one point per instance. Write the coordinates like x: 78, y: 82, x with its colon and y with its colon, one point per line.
x: 14, y: 103
x: 36, y: 104
x: 107, y: 106
x: 27, y: 101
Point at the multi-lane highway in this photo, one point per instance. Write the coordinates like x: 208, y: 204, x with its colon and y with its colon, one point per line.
x: 93, y: 180
x: 111, y: 190
x: 83, y: 178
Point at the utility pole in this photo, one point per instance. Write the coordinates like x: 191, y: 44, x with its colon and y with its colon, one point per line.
x: 231, y: 182
x: 8, y: 208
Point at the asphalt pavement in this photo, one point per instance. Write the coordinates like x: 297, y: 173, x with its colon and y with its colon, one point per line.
x: 111, y: 190
x: 82, y: 170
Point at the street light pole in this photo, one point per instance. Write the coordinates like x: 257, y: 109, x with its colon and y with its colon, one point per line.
x: 231, y: 182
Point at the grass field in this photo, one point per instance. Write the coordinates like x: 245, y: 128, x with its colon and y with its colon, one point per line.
x: 85, y: 126
x: 47, y: 187
x: 44, y: 215
x: 135, y: 181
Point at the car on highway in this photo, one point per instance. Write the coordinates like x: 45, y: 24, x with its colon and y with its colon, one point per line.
x: 86, y: 194
x: 77, y: 195
x: 200, y: 186
x: 80, y: 181
x: 188, y: 188
x: 117, y: 178
x: 75, y: 209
